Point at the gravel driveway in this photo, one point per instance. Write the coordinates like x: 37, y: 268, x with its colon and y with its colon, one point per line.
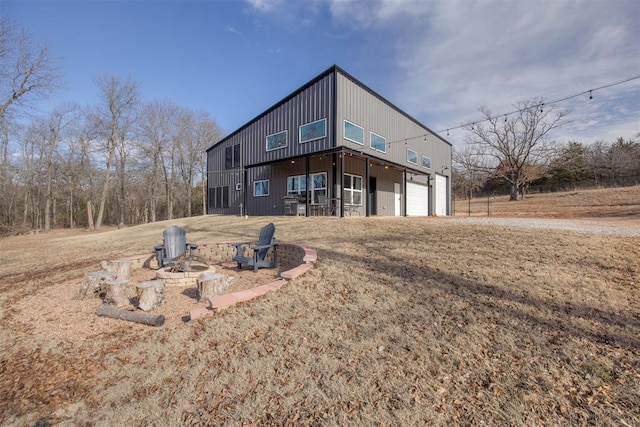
x: 610, y: 227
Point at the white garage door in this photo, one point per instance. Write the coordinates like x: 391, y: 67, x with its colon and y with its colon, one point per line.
x: 417, y: 199
x: 442, y: 189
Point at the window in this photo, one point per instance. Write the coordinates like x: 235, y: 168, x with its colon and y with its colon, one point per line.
x: 277, y: 140
x: 353, y: 133
x: 412, y: 156
x: 219, y: 197
x: 297, y: 186
x: 314, y: 130
x: 352, y: 190
x: 232, y: 157
x: 261, y: 188
x: 426, y: 162
x: 378, y: 143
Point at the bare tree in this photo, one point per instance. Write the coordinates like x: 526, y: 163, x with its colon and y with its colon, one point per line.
x: 208, y: 133
x: 470, y: 171
x: 517, y: 143
x: 197, y: 131
x: 111, y: 119
x: 26, y: 72
x: 157, y: 127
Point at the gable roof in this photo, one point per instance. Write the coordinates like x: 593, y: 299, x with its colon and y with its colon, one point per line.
x: 334, y: 69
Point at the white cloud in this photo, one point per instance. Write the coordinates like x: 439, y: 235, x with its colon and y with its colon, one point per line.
x: 453, y: 57
x: 457, y: 56
x: 264, y: 5
x: 232, y: 29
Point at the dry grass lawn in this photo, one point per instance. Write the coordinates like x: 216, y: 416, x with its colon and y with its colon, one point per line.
x: 600, y: 203
x: 404, y: 321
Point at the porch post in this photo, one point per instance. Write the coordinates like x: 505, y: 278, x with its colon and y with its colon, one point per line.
x: 306, y: 171
x: 342, y: 184
x: 367, y: 207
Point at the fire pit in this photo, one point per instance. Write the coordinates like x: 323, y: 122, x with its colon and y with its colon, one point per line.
x: 187, y: 277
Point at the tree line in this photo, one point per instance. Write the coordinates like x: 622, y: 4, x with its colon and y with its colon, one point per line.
x: 513, y: 154
x: 123, y: 160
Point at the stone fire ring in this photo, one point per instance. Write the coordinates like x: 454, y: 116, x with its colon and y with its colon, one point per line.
x: 297, y: 258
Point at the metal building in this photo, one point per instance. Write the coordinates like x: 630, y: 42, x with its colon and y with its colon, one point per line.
x: 332, y: 147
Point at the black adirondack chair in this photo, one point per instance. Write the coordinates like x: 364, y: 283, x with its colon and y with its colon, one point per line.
x: 174, y: 245
x: 260, y: 249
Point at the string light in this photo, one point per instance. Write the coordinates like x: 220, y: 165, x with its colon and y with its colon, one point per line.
x: 541, y: 106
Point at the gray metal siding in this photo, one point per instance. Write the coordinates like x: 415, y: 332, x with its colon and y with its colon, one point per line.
x: 385, y: 194
x: 217, y: 176
x: 277, y: 174
x: 334, y: 96
x: 313, y: 104
x: 361, y: 107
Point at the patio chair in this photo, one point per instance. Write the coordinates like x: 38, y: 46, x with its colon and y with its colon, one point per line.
x: 174, y: 245
x: 260, y: 249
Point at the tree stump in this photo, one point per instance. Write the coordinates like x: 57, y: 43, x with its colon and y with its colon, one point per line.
x: 121, y: 267
x: 150, y: 294
x: 117, y: 292
x: 212, y: 284
x: 93, y: 285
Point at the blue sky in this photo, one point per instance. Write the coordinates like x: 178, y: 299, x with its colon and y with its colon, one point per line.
x: 439, y: 61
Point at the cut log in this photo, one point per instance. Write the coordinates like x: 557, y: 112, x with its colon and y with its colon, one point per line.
x: 117, y: 292
x: 130, y: 316
x: 93, y: 284
x: 212, y: 284
x: 150, y: 294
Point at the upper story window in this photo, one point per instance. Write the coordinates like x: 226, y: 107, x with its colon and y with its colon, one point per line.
x: 277, y: 140
x: 378, y: 143
x: 313, y: 130
x: 353, y: 132
x: 232, y: 157
x: 426, y: 162
x: 412, y: 156
x: 261, y: 188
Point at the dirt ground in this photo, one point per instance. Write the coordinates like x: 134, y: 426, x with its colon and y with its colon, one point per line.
x: 74, y: 319
x: 403, y: 321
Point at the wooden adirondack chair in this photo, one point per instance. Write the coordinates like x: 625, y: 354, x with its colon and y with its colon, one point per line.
x: 260, y: 249
x: 174, y: 245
